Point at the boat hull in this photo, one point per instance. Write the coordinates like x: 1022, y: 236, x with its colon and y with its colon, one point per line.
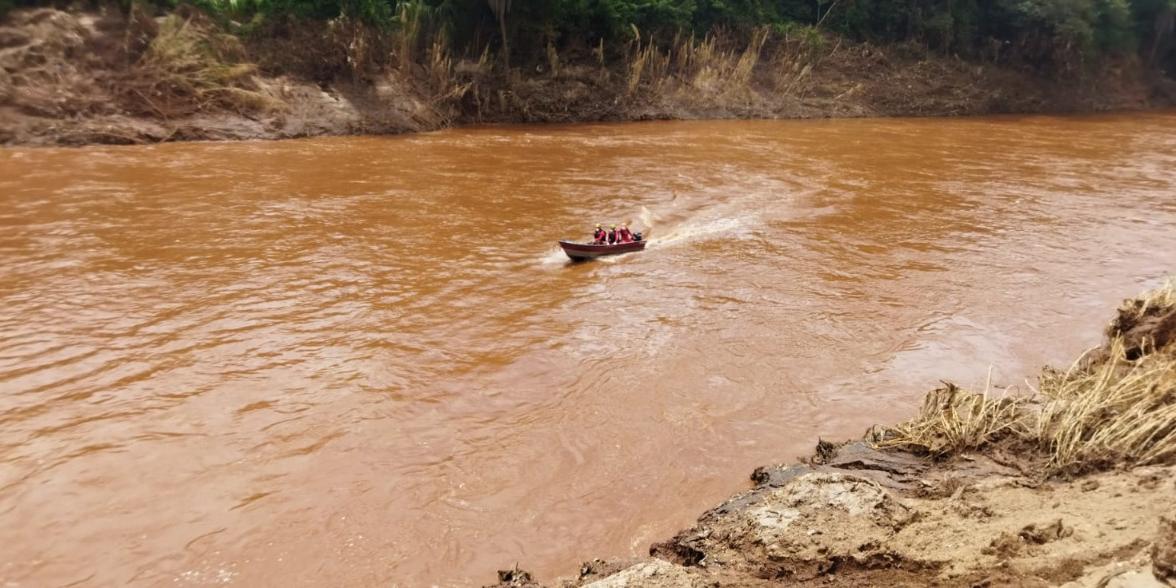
x: 585, y: 251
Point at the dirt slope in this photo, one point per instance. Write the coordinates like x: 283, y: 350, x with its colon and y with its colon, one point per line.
x: 78, y: 78
x: 106, y: 77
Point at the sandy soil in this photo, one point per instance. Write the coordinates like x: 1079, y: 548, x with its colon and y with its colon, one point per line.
x: 885, y: 518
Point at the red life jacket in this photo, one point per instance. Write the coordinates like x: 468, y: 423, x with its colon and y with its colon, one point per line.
x: 599, y: 236
x: 612, y: 236
x: 625, y: 236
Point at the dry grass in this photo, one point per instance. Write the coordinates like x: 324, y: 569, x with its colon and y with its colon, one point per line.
x: 1162, y: 297
x: 720, y: 72
x: 187, y: 68
x: 1117, y: 409
x: 793, y: 64
x: 709, y: 67
x: 411, y: 18
x: 646, y: 63
x: 954, y: 421
x: 445, y: 85
x: 552, y: 60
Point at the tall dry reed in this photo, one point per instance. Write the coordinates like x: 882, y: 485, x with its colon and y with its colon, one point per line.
x: 1119, y: 408
x: 187, y: 67
x: 953, y: 420
x: 1115, y: 411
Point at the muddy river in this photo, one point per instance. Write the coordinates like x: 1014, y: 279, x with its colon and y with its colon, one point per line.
x: 364, y: 361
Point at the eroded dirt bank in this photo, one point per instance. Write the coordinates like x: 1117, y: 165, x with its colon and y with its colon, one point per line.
x: 105, y: 77
x: 1074, y: 486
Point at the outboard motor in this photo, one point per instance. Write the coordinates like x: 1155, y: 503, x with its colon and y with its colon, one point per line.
x: 637, y: 237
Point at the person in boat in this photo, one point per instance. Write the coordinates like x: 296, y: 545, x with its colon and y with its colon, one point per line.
x: 599, y: 235
x: 612, y: 234
x: 624, y: 235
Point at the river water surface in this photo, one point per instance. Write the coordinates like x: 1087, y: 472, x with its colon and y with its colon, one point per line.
x: 363, y: 361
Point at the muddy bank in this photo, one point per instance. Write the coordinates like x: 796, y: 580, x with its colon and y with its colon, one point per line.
x: 891, y: 518
x: 1073, y: 485
x: 103, y: 76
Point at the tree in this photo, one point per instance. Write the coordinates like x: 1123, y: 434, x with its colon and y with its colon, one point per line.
x: 500, y: 8
x: 1155, y: 21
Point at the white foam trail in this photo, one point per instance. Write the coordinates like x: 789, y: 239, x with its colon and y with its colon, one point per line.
x: 699, y: 230
x: 646, y: 219
x: 711, y: 223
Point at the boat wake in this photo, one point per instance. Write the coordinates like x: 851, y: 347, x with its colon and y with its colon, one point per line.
x: 554, y: 257
x: 725, y: 228
x: 711, y: 223
x: 677, y: 222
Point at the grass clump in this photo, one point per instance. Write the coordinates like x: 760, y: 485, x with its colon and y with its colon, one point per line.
x: 1118, y: 411
x: 716, y: 69
x: 953, y: 421
x: 1114, y: 405
x: 189, y: 67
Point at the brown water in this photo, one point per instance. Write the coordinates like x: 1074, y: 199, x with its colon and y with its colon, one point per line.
x: 364, y: 362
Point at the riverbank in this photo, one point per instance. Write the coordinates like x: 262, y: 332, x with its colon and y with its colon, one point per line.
x: 1072, y: 485
x: 75, y: 78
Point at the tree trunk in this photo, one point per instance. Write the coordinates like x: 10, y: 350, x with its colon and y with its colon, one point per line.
x: 1162, y: 27
x: 500, y: 8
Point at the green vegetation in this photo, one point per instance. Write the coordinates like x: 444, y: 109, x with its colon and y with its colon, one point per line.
x: 1047, y: 34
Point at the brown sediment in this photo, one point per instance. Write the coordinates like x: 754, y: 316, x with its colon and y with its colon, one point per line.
x: 107, y: 77
x: 1144, y: 325
x: 929, y: 512
x: 1163, y: 555
x: 854, y: 527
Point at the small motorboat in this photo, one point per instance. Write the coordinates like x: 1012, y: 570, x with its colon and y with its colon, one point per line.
x: 586, y: 251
